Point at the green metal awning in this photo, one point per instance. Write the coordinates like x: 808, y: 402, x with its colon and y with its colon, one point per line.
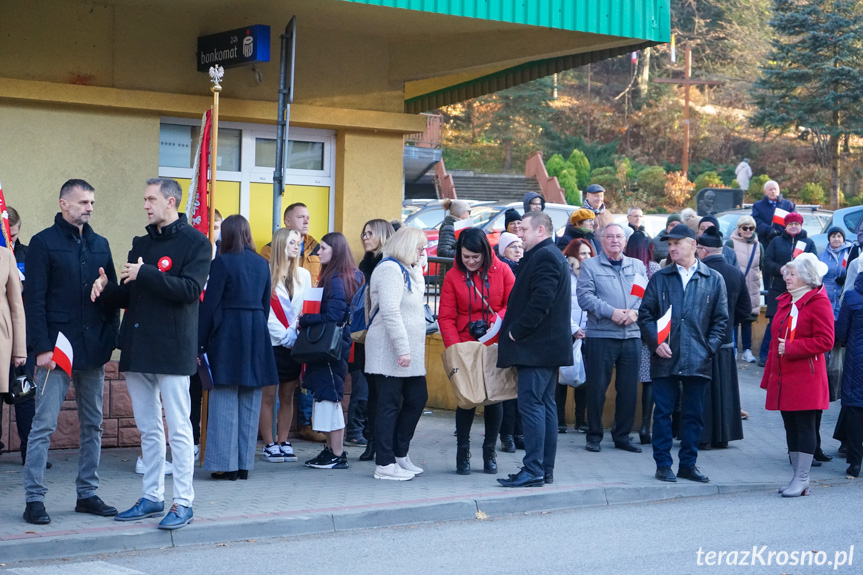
x: 613, y: 28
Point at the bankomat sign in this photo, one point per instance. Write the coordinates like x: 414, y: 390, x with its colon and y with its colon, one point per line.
x: 234, y: 47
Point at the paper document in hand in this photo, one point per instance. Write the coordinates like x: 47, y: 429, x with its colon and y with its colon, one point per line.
x: 639, y: 284
x: 799, y: 248
x: 312, y: 302
x: 779, y: 216
x: 490, y: 336
x: 63, y: 355
x: 663, y: 327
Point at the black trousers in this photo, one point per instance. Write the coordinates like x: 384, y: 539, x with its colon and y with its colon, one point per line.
x: 464, y: 421
x: 511, y: 422
x: 401, y: 401
x: 800, y: 430
x: 853, y: 427
x: 196, y: 393
x: 579, y: 396
x: 601, y: 356
x: 371, y: 407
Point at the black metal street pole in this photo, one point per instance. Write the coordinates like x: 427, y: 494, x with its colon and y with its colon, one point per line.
x: 286, y: 98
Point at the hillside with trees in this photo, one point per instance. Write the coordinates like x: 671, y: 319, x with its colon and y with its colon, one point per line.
x: 790, y: 100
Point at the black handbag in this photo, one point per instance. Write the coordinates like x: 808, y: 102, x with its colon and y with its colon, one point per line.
x: 21, y: 388
x: 319, y: 343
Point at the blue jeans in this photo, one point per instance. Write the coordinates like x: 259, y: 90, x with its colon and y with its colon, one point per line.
x: 538, y: 411
x: 745, y: 336
x: 765, y: 343
x: 89, y: 386
x: 665, y: 390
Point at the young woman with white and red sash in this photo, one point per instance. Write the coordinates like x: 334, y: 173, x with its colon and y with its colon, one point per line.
x: 290, y: 283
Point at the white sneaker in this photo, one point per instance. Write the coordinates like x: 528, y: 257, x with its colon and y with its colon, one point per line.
x: 393, y: 472
x: 406, y: 464
x: 287, y: 451
x: 272, y: 453
x: 139, y: 467
x: 748, y: 357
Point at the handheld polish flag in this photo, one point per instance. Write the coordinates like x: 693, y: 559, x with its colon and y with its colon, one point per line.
x: 491, y: 335
x: 639, y: 284
x: 799, y: 248
x: 312, y: 302
x: 663, y: 327
x: 779, y: 216
x: 62, y: 356
x: 793, y: 315
x: 462, y: 225
x: 845, y: 260
x: 634, y: 57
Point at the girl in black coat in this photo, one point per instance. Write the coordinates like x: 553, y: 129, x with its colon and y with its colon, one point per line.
x: 340, y: 280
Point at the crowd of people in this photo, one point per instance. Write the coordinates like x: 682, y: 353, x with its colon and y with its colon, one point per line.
x: 664, y: 316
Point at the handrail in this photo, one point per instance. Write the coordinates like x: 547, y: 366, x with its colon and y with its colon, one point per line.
x: 551, y: 189
x: 430, y: 138
x: 447, y: 187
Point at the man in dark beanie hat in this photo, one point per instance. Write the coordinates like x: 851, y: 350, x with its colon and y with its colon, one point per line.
x: 722, y: 422
x: 727, y: 252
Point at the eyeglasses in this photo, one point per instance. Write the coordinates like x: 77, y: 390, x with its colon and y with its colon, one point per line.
x: 367, y: 235
x: 747, y: 228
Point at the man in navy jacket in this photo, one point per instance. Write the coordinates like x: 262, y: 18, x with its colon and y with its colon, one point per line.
x: 161, y: 289
x: 537, y: 338
x: 763, y: 209
x: 62, y: 263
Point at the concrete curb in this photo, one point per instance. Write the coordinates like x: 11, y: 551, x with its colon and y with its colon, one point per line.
x: 309, y: 522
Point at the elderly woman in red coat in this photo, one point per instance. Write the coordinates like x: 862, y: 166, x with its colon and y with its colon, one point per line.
x: 795, y: 376
x: 474, y: 291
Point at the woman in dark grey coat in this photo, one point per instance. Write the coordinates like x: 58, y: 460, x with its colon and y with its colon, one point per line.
x: 233, y: 333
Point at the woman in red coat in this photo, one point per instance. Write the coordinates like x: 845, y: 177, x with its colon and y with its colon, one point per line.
x: 795, y: 376
x: 474, y: 291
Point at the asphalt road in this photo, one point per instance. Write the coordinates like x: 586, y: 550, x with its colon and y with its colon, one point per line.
x: 674, y: 537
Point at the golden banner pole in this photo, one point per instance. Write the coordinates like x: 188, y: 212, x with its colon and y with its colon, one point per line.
x: 216, y: 74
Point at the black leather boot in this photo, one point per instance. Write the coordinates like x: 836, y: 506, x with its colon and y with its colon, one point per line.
x: 462, y: 459
x: 369, y: 453
x: 489, y: 459
x: 646, y: 413
x: 507, y: 444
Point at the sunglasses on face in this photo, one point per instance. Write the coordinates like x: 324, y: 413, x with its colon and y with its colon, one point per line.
x: 747, y: 228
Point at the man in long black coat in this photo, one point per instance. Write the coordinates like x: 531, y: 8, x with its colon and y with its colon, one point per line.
x: 536, y: 337
x: 722, y: 421
x: 161, y: 289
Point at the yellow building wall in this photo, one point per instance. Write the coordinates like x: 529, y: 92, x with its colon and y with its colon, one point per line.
x: 227, y: 196
x: 369, y: 182
x: 152, y: 47
x: 43, y: 146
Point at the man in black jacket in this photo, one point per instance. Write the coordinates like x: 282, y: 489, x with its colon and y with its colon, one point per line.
x: 62, y: 262
x: 722, y: 421
x: 537, y: 338
x: 695, y: 296
x: 161, y: 289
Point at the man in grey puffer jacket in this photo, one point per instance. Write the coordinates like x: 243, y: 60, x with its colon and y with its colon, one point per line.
x: 613, y: 338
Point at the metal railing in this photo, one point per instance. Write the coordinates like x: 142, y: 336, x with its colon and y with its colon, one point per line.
x: 430, y: 138
x: 437, y: 269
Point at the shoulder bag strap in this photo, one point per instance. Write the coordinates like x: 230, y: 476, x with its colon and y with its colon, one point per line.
x: 751, y: 258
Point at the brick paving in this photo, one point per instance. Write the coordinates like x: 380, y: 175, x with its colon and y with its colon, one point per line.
x: 277, y: 491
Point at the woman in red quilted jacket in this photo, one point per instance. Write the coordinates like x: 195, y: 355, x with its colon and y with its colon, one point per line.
x: 474, y: 291
x: 795, y: 376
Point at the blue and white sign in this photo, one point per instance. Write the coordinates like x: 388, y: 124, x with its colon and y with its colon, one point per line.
x: 234, y: 47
